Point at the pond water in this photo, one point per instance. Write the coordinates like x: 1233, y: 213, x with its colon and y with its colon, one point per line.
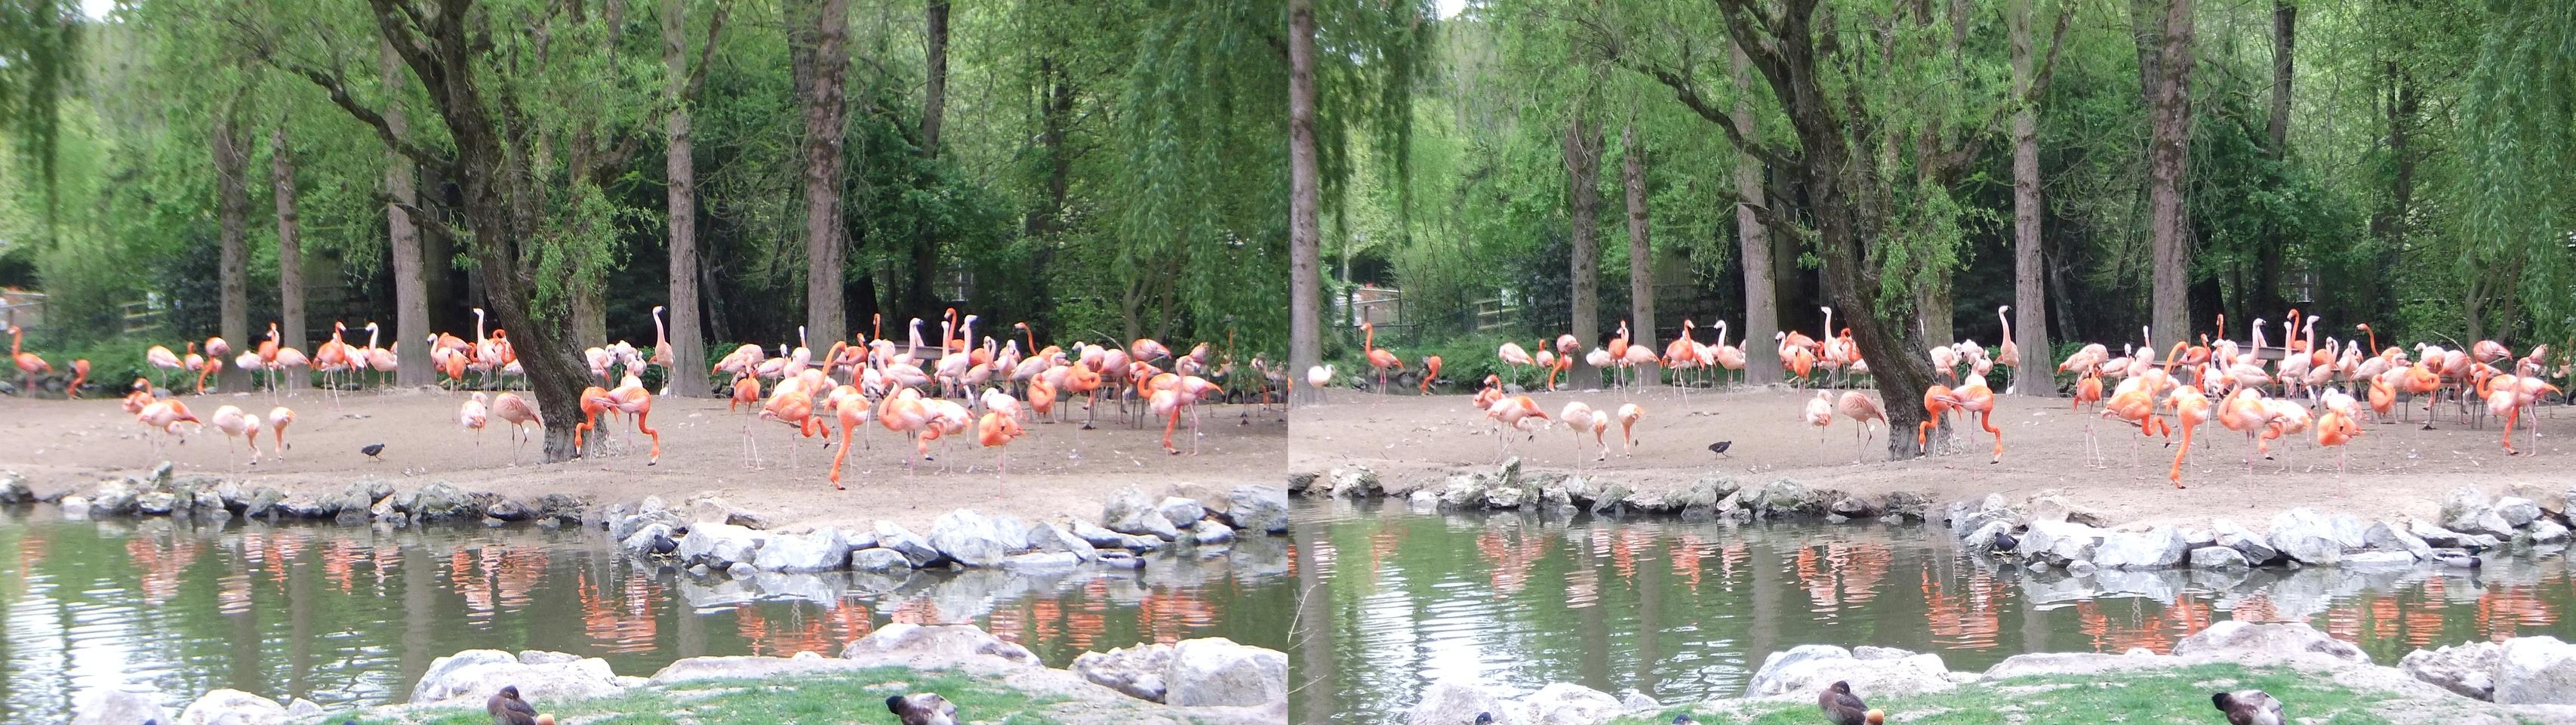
x: 353, y: 616
x: 1686, y: 611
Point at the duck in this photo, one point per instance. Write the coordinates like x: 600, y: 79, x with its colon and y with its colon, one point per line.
x: 922, y: 708
x: 507, y: 709
x: 2465, y: 556
x: 1844, y: 708
x: 1684, y: 720
x: 1484, y: 718
x: 2251, y: 707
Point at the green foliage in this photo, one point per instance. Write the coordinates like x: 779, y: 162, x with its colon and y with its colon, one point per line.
x: 839, y: 697
x: 2178, y: 696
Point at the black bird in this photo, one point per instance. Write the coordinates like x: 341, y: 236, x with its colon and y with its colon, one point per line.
x: 372, y: 449
x: 1720, y: 447
x: 2004, y: 542
x: 1484, y: 718
x: 922, y: 708
x: 1844, y: 708
x: 1684, y: 720
x: 507, y: 709
x: 663, y: 545
x: 2251, y: 707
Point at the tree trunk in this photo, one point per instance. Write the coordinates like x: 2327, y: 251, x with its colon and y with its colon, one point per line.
x: 2400, y: 107
x: 411, y: 283
x: 1054, y: 108
x: 1583, y: 207
x: 934, y: 94
x: 2168, y: 156
x: 290, y: 252
x: 1305, y: 200
x: 1641, y: 265
x: 232, y: 220
x: 688, y: 346
x: 825, y: 248
x: 2031, y: 374
x: 2267, y: 287
x: 1761, y: 292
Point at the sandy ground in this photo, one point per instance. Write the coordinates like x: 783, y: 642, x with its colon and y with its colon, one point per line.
x: 2393, y: 469
x: 1057, y: 469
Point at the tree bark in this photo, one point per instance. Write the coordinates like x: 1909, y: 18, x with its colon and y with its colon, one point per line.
x: 232, y: 222
x: 934, y: 94
x: 290, y: 251
x: 1305, y: 201
x: 2267, y: 287
x: 688, y: 346
x: 826, y: 250
x: 1641, y: 265
x: 1583, y: 207
x: 2168, y: 157
x: 2030, y: 308
x: 1753, y: 241
x: 411, y: 284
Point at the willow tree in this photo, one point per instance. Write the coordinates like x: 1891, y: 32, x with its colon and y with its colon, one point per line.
x: 39, y: 47
x: 2519, y: 152
x: 1870, y: 222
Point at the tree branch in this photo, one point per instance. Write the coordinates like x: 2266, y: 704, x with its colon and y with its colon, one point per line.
x: 1688, y: 93
x: 331, y: 83
x: 1974, y: 145
x: 607, y: 165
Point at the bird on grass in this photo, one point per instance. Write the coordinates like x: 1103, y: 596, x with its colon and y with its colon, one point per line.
x: 507, y: 709
x: 922, y: 708
x: 2251, y: 707
x: 372, y: 449
x: 1844, y: 708
x: 1684, y: 720
x: 1720, y: 447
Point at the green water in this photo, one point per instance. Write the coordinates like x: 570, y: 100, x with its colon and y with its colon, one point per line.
x: 353, y: 616
x: 1686, y: 611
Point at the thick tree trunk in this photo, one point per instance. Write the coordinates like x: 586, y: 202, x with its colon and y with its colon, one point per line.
x: 290, y: 252
x: 1055, y: 106
x: 826, y: 251
x: 232, y: 222
x: 934, y: 93
x: 1641, y: 265
x: 1761, y: 291
x: 2401, y: 105
x: 688, y: 345
x: 2031, y: 375
x: 411, y: 284
x: 1583, y: 208
x: 2285, y: 17
x: 1305, y: 200
x: 2168, y: 156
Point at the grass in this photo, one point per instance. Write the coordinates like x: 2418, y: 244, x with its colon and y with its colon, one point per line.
x: 2177, y: 696
x: 849, y: 697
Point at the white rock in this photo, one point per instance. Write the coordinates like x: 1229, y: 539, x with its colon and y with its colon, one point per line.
x: 1050, y: 538
x: 748, y: 668
x: 2218, y: 558
x: 1455, y: 703
x: 2305, y: 535
x: 473, y: 675
x: 914, y: 549
x: 232, y: 707
x: 108, y: 706
x: 2385, y: 537
x: 2158, y: 548
x: 2239, y: 639
x: 822, y: 550
x: 1216, y: 671
x: 2059, y: 542
x: 2536, y: 670
x: 2378, y: 560
x: 2244, y: 542
x: 1566, y: 703
x: 719, y: 545
x: 1805, y: 669
x: 2517, y: 511
x: 919, y: 646
x: 1258, y: 508
x: 2468, y: 669
x: 1209, y: 531
x: 968, y: 538
x: 2545, y: 531
x: 1137, y: 671
x: 879, y: 560
x: 1182, y: 512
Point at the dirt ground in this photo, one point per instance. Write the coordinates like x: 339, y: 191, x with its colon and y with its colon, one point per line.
x: 1057, y: 469
x: 2393, y: 469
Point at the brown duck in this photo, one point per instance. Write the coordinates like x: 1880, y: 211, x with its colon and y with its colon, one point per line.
x: 1844, y: 708
x: 922, y: 708
x: 2251, y: 707
x: 508, y: 709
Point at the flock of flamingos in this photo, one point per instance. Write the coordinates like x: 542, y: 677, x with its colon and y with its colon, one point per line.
x: 2259, y: 389
x: 852, y: 383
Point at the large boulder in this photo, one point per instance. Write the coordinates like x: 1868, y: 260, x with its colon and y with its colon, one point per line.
x: 719, y: 545
x: 440, y: 501
x: 472, y: 676
x: 14, y: 490
x: 2059, y: 542
x: 1565, y: 703
x: 1455, y: 703
x: 2305, y: 535
x: 1137, y: 671
x: 1352, y: 482
x: 2161, y: 547
x: 110, y: 706
x: 1805, y: 669
x: 1181, y: 511
x: 2468, y: 510
x: 2386, y: 537
x: 1131, y: 512
x: 2238, y: 639
x: 968, y: 538
x: 1966, y: 517
x: 231, y: 707
x: 1985, y: 538
x: 2218, y: 558
x: 940, y: 645
x: 2536, y: 670
x: 1258, y: 508
x: 2546, y: 531
x: 1216, y: 671
x: 2435, y: 535
x: 1051, y: 539
x: 2468, y: 669
x: 1209, y: 532
x: 879, y: 560
x: 2517, y: 511
x: 2233, y: 536
x: 821, y: 550
x: 914, y: 549
x: 1785, y: 497
x: 648, y: 540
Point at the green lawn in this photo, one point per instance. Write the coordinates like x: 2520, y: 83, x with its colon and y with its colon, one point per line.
x: 2156, y: 696
x: 851, y: 697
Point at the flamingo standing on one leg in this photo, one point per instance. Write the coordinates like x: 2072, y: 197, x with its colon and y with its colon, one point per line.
x: 164, y: 416
x: 852, y: 409
x: 278, y: 418
x: 746, y: 394
x: 996, y: 430
x: 631, y: 398
x: 2336, y: 429
x: 2191, y: 409
x: 1819, y: 413
x: 471, y: 415
x: 161, y: 357
x: 1514, y: 357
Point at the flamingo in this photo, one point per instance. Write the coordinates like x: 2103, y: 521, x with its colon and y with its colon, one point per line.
x: 2010, y: 354
x: 1975, y: 397
x: 1378, y: 357
x: 472, y: 414
x: 631, y: 398
x: 852, y: 409
x: 1514, y: 412
x: 515, y: 410
x: 278, y: 417
x: 2335, y: 429
x: 160, y: 357
x: 1730, y: 357
x: 1513, y: 356
x: 662, y: 350
x: 80, y: 375
x: 28, y: 364
x: 1580, y: 418
x: 1628, y: 414
x: 1819, y: 413
x: 1860, y: 409
x: 1937, y: 402
x: 164, y: 416
x: 237, y: 424
x: 996, y: 430
x: 2191, y: 409
x: 1430, y: 371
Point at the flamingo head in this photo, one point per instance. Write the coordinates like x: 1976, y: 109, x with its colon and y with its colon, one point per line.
x: 657, y: 309
x: 2003, y: 309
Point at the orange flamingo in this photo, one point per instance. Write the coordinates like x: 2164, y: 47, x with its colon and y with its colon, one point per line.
x: 631, y: 398
x: 2336, y: 429
x: 2190, y: 410
x: 28, y: 364
x: 278, y: 417
x: 1937, y: 401
x: 852, y: 410
x: 80, y: 374
x: 996, y: 430
x: 2088, y: 390
x: 1378, y: 357
x: 1514, y: 412
x: 1976, y: 398
x: 1430, y: 371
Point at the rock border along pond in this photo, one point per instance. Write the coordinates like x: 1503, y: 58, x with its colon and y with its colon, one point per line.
x: 707, y: 534
x: 2047, y: 530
